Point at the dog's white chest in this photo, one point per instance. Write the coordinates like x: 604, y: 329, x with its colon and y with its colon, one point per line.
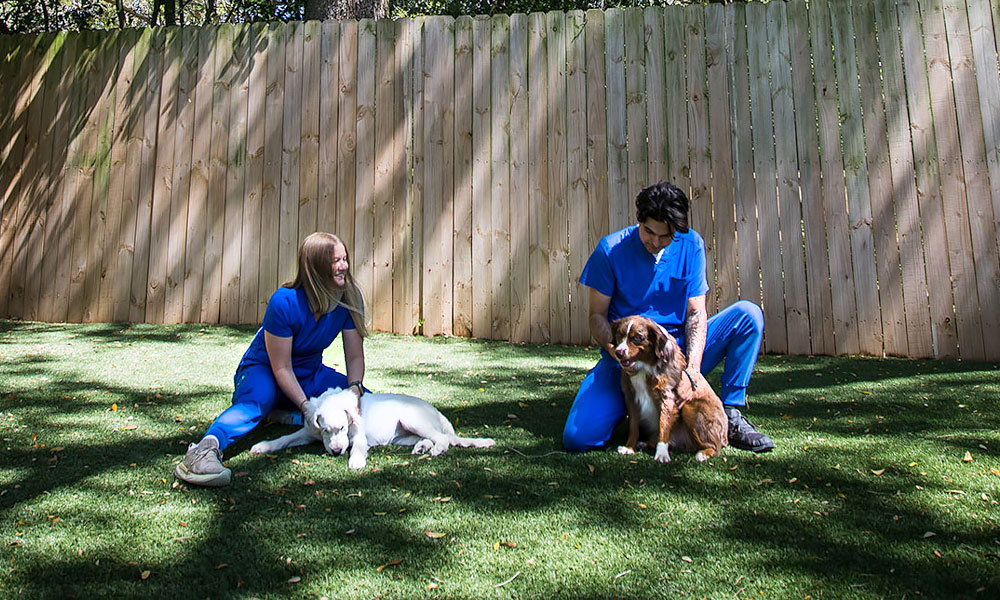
x: 649, y: 414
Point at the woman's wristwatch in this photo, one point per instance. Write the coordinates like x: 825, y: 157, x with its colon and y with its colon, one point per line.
x: 361, y: 388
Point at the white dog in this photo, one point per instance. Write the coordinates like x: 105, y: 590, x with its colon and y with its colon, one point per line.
x: 384, y: 419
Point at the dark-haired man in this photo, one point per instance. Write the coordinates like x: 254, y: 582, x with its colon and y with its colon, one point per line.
x: 656, y: 269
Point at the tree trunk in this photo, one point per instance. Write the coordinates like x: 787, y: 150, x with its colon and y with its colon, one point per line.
x: 120, y: 11
x: 325, y: 10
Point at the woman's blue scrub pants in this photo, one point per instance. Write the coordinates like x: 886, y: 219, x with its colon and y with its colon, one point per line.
x: 256, y: 393
x: 734, y: 334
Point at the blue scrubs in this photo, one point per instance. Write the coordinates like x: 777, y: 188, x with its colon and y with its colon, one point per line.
x: 640, y: 283
x: 256, y: 391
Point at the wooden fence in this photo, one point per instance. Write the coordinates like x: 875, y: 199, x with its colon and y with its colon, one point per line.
x: 842, y: 160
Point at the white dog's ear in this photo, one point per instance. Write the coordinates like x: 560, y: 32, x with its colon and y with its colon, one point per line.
x: 353, y: 416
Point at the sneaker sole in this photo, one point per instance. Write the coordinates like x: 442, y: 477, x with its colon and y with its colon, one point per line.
x: 220, y: 479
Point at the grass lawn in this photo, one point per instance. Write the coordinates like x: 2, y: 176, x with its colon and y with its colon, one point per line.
x: 884, y: 482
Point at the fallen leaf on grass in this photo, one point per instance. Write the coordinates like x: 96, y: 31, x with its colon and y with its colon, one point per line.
x: 114, y: 407
x: 878, y: 471
x: 131, y: 426
x: 434, y: 535
x: 295, y: 579
x: 497, y: 545
x: 959, y: 492
x: 591, y: 467
x: 391, y: 563
x: 929, y: 534
x: 221, y: 566
x: 686, y: 559
x: 967, y: 457
x: 144, y: 575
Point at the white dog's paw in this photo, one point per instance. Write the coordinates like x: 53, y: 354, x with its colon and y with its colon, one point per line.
x: 701, y: 456
x: 357, y: 462
x: 662, y: 453
x: 439, y: 449
x: 422, y: 446
x: 260, y: 448
x: 625, y: 450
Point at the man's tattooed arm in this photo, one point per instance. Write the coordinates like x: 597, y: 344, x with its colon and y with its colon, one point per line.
x: 696, y: 332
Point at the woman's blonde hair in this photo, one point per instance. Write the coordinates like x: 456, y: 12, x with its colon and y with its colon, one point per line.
x: 315, y: 277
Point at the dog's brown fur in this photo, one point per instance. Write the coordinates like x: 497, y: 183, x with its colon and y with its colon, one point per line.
x: 652, y: 367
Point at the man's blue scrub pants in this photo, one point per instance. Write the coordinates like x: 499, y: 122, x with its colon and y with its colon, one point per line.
x: 734, y: 334
x: 256, y: 393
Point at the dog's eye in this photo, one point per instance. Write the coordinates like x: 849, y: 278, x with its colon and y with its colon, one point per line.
x: 638, y: 338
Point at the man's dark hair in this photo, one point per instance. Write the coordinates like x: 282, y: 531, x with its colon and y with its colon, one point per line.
x: 664, y: 202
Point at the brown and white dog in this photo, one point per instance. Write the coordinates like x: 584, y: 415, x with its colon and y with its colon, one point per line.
x: 652, y: 366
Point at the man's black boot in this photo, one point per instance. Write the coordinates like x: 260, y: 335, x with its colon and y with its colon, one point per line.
x: 743, y: 435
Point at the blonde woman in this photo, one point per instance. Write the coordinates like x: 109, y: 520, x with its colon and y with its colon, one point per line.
x: 283, y: 367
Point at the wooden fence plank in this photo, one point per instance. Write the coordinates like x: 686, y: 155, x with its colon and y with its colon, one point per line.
x: 482, y: 224
x: 787, y: 171
x: 748, y: 255
x: 887, y: 267
x: 845, y: 324
x: 415, y: 218
x: 436, y: 226
x: 500, y: 177
x: 700, y: 159
x: 635, y: 99
x: 164, y: 172
x: 180, y: 190
x: 520, y: 276
x: 538, y: 177
x: 312, y: 98
x: 904, y: 192
x: 597, y: 134
x: 984, y: 31
x: 576, y: 164
x: 953, y: 184
x: 559, y: 330
x: 765, y: 168
x: 944, y: 333
x: 110, y: 279
x: 270, y: 193
x: 30, y: 224
x: 329, y: 82
x: 364, y: 214
x: 198, y: 200
x: 72, y: 99
x: 385, y: 91
x: 463, y: 195
x: 820, y: 307
x: 291, y: 150
x: 405, y: 306
x: 656, y: 112
x: 253, y: 207
x: 21, y: 59
x: 346, y: 133
x: 132, y: 200
x: 678, y: 168
x: 238, y: 86
x: 856, y: 175
x: 976, y: 174
x: 622, y: 210
x: 725, y: 282
x: 218, y: 160
x: 101, y: 168
x: 94, y: 164
x: 148, y: 166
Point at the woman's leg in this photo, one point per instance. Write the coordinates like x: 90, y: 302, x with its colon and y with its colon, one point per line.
x: 598, y: 408
x: 255, y: 394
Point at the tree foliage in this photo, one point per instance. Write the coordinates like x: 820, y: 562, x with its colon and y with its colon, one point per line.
x: 36, y: 16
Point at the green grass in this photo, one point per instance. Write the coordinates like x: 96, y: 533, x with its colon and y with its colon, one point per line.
x: 866, y: 496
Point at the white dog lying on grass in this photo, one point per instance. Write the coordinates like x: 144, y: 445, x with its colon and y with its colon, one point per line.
x: 384, y: 419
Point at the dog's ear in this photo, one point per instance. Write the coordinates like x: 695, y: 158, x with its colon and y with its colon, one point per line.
x: 353, y: 416
x: 664, y: 353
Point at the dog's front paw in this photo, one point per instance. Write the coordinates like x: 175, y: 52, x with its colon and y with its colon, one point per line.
x: 260, y: 448
x: 422, y: 446
x: 357, y: 462
x: 662, y: 453
x: 625, y: 450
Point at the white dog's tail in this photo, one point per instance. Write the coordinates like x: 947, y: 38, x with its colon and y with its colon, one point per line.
x: 465, y: 442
